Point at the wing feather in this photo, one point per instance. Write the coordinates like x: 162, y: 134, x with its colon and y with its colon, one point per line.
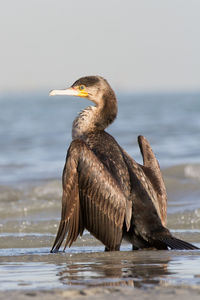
x: 152, y: 170
x: 102, y: 199
x: 91, y: 199
x: 71, y: 222
x: 144, y: 185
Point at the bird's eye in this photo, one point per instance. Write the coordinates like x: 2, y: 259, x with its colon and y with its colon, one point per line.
x: 81, y: 87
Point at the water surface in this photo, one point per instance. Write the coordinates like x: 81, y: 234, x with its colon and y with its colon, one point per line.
x: 35, y: 132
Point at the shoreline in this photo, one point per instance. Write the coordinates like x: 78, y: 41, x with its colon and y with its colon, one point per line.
x: 106, y: 293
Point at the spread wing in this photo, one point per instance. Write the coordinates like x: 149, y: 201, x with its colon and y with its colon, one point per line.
x: 91, y: 199
x: 147, y: 182
x: 149, y: 203
x: 152, y: 170
x: 71, y: 219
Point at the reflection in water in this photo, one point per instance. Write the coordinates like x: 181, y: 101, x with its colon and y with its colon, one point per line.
x: 80, y: 268
x: 114, y: 272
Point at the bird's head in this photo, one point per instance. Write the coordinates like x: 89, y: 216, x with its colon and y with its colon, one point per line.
x: 90, y: 87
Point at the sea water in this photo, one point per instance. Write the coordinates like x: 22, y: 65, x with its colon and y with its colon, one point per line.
x: 35, y: 132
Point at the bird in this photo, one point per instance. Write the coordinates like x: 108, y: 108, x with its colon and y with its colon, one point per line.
x: 105, y: 191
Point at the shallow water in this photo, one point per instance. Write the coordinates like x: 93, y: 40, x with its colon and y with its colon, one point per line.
x: 90, y: 266
x: 34, y: 135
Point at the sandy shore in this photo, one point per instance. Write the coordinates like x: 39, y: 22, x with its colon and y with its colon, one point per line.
x: 111, y: 293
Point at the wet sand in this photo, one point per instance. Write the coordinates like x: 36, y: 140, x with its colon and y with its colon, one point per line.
x: 111, y: 293
x: 91, y: 273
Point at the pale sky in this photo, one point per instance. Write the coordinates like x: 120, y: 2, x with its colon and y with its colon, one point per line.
x: 138, y: 45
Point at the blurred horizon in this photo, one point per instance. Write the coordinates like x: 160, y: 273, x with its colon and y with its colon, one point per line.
x: 137, y: 45
x: 44, y: 92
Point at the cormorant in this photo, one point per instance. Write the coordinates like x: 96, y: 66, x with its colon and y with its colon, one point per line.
x: 104, y: 190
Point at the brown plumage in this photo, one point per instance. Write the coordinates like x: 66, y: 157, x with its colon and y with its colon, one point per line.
x: 104, y: 190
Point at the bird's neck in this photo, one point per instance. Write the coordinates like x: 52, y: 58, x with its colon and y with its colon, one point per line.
x: 96, y: 118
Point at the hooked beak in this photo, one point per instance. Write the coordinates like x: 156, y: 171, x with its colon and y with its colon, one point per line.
x: 69, y: 92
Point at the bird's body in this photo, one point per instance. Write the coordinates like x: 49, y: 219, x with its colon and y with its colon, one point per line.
x: 104, y: 190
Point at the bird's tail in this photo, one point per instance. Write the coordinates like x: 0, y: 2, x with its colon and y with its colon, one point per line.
x: 170, y: 242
